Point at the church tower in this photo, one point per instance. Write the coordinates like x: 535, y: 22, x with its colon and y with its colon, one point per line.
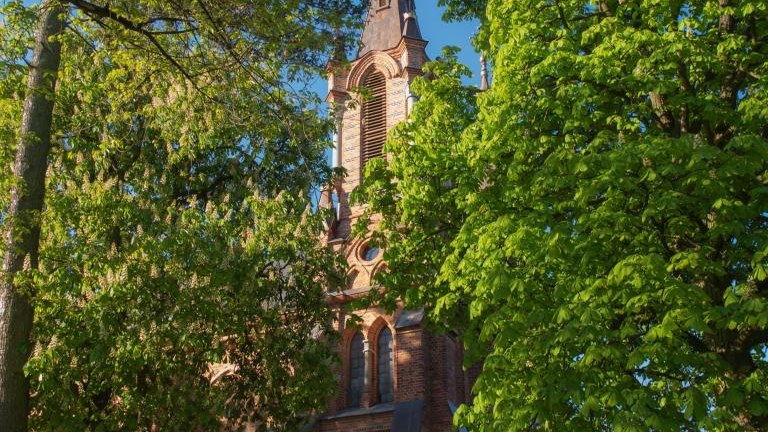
x: 394, y: 376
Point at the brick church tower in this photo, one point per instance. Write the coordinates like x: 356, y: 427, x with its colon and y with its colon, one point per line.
x: 395, y: 376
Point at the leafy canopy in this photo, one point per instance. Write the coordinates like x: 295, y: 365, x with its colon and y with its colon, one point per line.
x: 596, y: 223
x: 181, y: 279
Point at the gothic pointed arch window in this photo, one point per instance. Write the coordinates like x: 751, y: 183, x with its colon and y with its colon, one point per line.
x: 356, y: 370
x: 374, y: 116
x: 384, y: 366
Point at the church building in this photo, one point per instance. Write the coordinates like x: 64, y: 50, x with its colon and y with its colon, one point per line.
x: 395, y: 375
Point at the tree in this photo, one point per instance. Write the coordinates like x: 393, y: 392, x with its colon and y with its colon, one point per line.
x: 167, y: 244
x: 21, y: 233
x: 604, y: 249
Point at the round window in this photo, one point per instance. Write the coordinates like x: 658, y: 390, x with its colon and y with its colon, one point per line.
x: 369, y: 253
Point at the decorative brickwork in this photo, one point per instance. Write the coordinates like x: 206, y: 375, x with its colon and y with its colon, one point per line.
x: 426, y: 374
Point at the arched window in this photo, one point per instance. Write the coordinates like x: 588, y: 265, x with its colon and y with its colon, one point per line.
x: 374, y: 119
x: 356, y: 370
x: 384, y: 365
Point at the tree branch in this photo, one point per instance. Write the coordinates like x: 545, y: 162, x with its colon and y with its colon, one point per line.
x: 94, y: 10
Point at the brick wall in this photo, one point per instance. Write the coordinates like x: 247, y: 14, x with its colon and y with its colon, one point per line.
x: 426, y: 367
x: 410, y: 362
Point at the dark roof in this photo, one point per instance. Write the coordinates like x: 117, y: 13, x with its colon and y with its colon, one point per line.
x: 353, y: 412
x: 385, y: 26
x: 405, y: 418
x: 409, y: 318
x: 411, y: 26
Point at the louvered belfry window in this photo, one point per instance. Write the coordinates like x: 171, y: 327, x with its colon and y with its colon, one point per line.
x: 374, y: 116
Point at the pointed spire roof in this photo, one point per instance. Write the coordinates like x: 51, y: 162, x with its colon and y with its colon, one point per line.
x: 386, y: 23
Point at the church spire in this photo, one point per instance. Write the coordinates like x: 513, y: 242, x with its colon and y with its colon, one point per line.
x: 386, y: 23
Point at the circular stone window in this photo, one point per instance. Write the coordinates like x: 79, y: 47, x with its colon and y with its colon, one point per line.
x: 369, y: 252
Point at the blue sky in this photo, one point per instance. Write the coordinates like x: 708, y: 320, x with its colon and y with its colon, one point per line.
x: 440, y: 34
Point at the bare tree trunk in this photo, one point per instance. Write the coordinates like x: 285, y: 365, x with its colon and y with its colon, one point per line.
x: 22, y: 231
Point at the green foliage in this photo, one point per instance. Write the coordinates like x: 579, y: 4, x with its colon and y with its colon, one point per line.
x: 429, y: 165
x: 177, y: 234
x: 129, y: 340
x: 15, y: 35
x: 596, y: 222
x: 457, y: 10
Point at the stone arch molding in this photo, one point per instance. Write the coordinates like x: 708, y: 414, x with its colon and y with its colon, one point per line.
x: 351, y: 251
x: 373, y: 60
x: 376, y: 327
x: 375, y: 330
x: 352, y: 255
x: 381, y: 265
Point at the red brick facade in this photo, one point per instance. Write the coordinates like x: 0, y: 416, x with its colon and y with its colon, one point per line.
x: 427, y: 369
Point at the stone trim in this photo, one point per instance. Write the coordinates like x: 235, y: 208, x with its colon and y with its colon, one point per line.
x: 381, y: 61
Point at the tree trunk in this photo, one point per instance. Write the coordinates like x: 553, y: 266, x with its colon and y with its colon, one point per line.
x: 22, y: 231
